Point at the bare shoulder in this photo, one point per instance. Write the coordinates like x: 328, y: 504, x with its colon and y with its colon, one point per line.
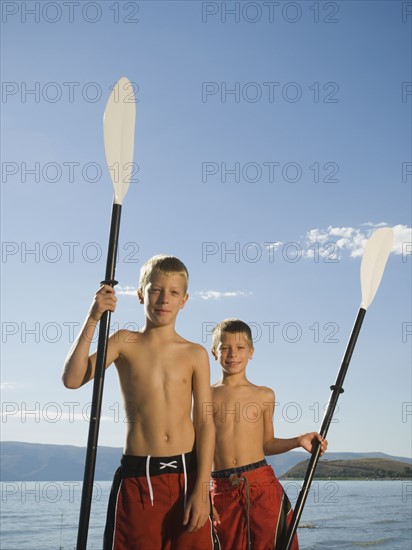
x: 122, y: 344
x: 217, y: 388
x: 266, y: 394
x: 196, y: 350
x: 195, y: 355
x: 124, y: 337
x: 199, y: 355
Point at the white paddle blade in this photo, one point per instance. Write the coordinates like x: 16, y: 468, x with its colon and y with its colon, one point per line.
x: 374, y: 260
x: 118, y: 129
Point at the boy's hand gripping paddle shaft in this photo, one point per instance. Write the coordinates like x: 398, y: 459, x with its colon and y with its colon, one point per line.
x: 374, y: 259
x: 118, y: 127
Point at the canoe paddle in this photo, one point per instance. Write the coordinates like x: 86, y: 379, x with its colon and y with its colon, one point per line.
x: 118, y: 128
x: 374, y: 259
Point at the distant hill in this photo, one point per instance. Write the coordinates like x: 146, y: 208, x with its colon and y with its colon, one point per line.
x: 283, y: 462
x: 43, y: 462
x: 358, y: 468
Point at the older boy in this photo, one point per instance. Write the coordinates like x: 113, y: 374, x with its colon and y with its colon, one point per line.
x: 159, y: 498
x: 251, y: 508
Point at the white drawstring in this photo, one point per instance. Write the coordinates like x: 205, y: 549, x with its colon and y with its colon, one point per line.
x: 149, y: 483
x: 163, y: 465
x: 185, y: 475
x: 172, y: 464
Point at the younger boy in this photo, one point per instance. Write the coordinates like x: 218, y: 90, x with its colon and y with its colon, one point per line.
x: 159, y: 498
x: 251, y: 508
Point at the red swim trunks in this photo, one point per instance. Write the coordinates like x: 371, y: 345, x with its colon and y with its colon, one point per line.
x: 146, y: 506
x: 251, y: 504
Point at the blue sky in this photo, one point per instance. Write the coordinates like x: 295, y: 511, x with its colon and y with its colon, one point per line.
x: 270, y: 143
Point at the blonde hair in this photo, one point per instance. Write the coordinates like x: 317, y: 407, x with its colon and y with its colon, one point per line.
x: 231, y: 326
x: 162, y: 264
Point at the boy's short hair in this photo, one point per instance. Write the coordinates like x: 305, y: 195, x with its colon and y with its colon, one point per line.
x: 162, y: 264
x: 231, y: 326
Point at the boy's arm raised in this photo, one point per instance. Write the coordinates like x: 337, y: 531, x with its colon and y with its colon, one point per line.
x: 274, y: 445
x: 277, y: 445
x: 80, y: 366
x: 198, y: 505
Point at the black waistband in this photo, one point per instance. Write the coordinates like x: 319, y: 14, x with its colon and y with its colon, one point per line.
x: 247, y: 468
x: 138, y: 466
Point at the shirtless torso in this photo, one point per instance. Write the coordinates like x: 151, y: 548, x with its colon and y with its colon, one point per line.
x: 243, y: 418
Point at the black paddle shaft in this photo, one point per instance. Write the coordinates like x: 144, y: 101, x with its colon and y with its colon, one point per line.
x: 337, y: 389
x: 98, y: 384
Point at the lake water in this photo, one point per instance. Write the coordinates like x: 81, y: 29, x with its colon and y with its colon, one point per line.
x: 337, y: 515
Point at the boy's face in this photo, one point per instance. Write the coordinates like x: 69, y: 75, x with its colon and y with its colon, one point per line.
x: 163, y: 296
x: 233, y: 352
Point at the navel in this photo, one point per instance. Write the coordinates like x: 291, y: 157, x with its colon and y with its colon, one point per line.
x: 166, y: 437
x: 234, y: 461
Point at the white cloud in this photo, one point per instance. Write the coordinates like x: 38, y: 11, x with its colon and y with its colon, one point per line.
x: 9, y: 385
x: 345, y: 232
x: 402, y: 239
x: 126, y: 290
x: 353, y: 240
x: 317, y: 236
x: 371, y: 224
x: 204, y: 294
x: 217, y: 295
x: 273, y: 246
